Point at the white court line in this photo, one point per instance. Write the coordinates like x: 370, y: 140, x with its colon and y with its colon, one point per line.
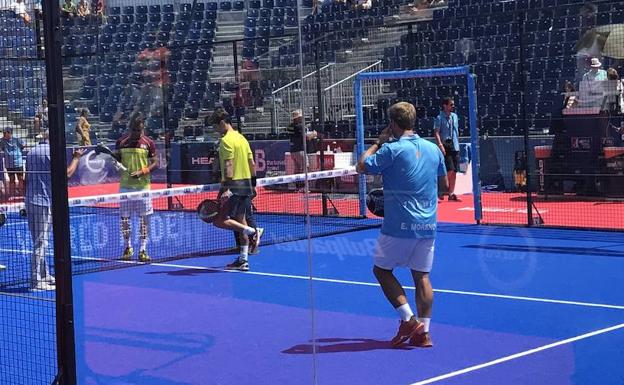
x: 347, y: 282
x: 517, y: 355
x: 359, y: 283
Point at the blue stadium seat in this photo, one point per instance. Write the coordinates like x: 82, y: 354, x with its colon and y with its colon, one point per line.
x: 225, y: 6
x: 114, y: 10
x: 120, y: 38
x: 238, y: 5
x: 213, y: 6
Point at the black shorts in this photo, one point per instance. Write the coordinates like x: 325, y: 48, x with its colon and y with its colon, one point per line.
x: 237, y: 206
x: 451, y: 160
x: 19, y: 171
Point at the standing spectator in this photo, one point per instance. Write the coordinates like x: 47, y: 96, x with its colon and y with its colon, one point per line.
x: 615, y: 98
x: 68, y: 9
x: 41, y: 116
x: 83, y: 9
x: 446, y: 131
x: 38, y: 209
x: 83, y: 128
x: 595, y: 72
x: 298, y: 134
x: 412, y: 168
x: 592, y: 88
x: 14, y: 161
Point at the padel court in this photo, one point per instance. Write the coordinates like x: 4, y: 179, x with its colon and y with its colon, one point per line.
x: 512, y: 306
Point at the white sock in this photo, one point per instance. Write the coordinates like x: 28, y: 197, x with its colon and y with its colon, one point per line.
x: 143, y: 244
x: 249, y: 230
x: 426, y: 321
x: 405, y: 312
x: 244, y: 253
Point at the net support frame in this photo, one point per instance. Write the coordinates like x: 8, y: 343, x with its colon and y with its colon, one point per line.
x: 424, y: 73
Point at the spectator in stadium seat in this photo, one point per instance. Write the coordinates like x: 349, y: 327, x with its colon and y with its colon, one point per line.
x: 446, y: 132
x: 569, y: 93
x: 83, y: 9
x: 13, y: 148
x: 83, y: 128
x: 20, y: 10
x: 68, y: 8
x: 97, y: 8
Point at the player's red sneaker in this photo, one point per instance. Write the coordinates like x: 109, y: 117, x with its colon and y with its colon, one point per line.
x: 406, y: 330
x: 421, y: 340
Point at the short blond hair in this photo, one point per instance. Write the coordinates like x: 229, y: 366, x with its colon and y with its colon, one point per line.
x: 403, y: 114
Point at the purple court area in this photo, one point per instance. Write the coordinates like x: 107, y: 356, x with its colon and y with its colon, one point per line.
x: 176, y: 324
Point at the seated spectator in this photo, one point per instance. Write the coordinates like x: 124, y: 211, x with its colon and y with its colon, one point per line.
x: 569, y: 94
x: 83, y: 9
x: 97, y: 7
x: 68, y: 9
x: 20, y: 10
x: 362, y: 4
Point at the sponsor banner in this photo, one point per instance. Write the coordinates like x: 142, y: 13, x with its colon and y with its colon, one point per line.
x: 99, y: 168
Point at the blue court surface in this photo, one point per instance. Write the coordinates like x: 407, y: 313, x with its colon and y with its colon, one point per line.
x: 512, y: 306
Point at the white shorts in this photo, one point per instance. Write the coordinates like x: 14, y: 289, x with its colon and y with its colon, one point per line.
x: 140, y: 207
x: 392, y: 252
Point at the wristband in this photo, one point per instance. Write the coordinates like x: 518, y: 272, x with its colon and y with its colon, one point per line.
x: 145, y: 170
x: 253, y: 181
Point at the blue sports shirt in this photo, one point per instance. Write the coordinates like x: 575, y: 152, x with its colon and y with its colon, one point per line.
x: 410, y: 168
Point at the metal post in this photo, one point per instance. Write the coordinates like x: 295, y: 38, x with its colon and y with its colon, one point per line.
x: 65, y: 344
x: 165, y: 96
x: 523, y: 86
x: 238, y: 96
x: 321, y: 118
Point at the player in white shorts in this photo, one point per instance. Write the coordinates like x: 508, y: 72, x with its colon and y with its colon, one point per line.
x: 411, y: 168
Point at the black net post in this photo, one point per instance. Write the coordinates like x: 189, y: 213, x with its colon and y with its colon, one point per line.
x: 321, y: 119
x: 66, y: 351
x: 520, y: 16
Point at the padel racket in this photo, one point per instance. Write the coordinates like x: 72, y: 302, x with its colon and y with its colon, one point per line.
x: 101, y: 149
x: 375, y: 201
x: 208, y: 210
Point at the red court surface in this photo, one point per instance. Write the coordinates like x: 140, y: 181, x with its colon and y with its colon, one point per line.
x: 497, y: 208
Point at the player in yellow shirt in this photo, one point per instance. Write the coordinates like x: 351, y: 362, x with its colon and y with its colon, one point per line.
x: 238, y: 182
x: 137, y: 152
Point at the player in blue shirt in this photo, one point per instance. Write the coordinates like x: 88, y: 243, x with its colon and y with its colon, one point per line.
x: 412, y: 168
x: 38, y: 202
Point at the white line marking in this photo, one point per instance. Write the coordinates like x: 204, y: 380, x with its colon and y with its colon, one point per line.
x: 28, y: 296
x: 359, y: 283
x: 518, y: 355
x: 347, y: 282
